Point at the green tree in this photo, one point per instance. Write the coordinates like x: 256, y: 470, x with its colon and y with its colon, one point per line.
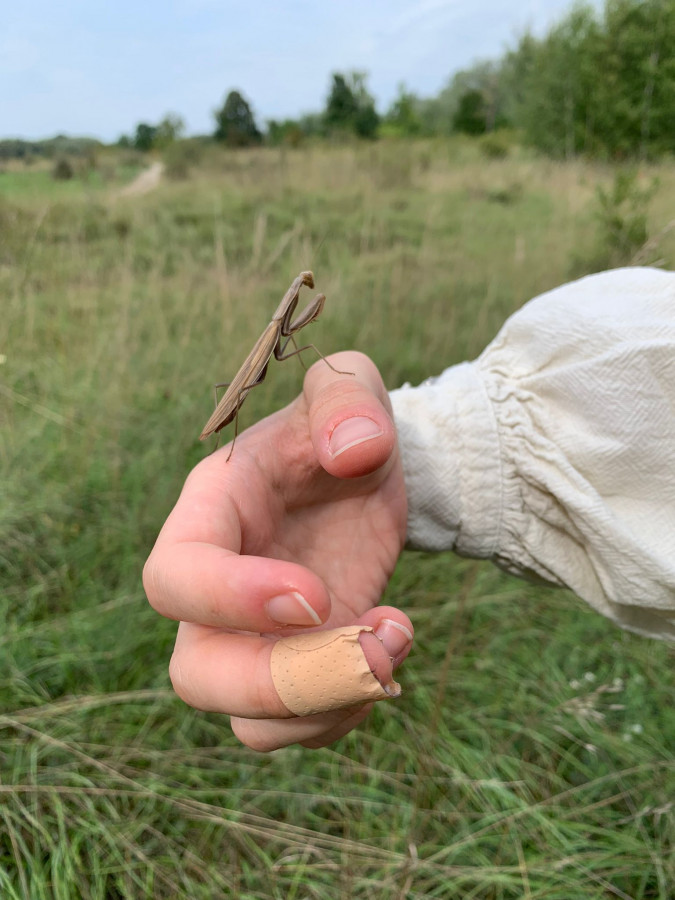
x: 235, y: 123
x: 435, y: 115
x: 170, y: 129
x: 366, y: 121
x: 287, y: 132
x: 603, y: 85
x: 638, y: 87
x: 350, y: 107
x: 480, y: 86
x: 471, y: 115
x: 474, y: 98
x: 312, y: 124
x: 145, y: 137
x: 403, y: 117
x: 341, y: 105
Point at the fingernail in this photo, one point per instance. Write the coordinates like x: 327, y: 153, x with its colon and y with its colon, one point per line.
x: 292, y: 609
x: 351, y: 432
x: 394, y: 636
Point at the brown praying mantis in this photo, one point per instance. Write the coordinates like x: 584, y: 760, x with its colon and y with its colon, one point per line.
x: 254, y: 367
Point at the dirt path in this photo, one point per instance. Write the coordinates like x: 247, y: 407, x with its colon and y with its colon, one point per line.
x: 147, y: 181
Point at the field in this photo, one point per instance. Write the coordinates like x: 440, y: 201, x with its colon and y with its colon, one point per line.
x: 531, y: 755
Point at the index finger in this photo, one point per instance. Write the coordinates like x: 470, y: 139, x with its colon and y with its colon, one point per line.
x: 197, y: 573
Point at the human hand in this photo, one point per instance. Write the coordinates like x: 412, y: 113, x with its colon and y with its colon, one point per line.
x: 301, y: 528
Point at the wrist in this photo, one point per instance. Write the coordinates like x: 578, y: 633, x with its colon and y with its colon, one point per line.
x: 451, y: 463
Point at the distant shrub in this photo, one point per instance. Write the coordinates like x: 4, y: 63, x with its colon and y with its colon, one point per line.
x: 288, y: 133
x: 63, y: 170
x: 121, y: 226
x: 622, y: 235
x: 507, y: 194
x: 622, y: 216
x: 176, y: 163
x: 180, y: 157
x: 132, y: 159
x: 495, y: 145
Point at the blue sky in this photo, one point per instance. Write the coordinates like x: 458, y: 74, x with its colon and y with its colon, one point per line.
x: 84, y: 67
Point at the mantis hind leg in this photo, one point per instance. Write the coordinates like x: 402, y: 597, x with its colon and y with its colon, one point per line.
x: 240, y: 399
x: 221, y: 384
x: 241, y: 396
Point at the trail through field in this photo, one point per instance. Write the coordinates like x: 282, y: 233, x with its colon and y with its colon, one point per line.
x: 147, y: 181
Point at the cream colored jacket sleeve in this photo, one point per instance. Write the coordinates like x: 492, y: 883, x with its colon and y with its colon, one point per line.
x: 553, y: 453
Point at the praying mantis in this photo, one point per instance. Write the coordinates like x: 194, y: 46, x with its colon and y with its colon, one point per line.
x: 270, y: 343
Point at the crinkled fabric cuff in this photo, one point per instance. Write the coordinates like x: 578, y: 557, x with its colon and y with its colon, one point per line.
x: 451, y: 463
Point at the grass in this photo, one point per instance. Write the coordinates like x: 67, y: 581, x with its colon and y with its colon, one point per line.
x: 531, y: 755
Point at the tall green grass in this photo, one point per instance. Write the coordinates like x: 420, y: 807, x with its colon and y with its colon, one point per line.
x: 531, y: 755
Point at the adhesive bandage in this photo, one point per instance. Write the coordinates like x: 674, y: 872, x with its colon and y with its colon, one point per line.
x: 325, y: 670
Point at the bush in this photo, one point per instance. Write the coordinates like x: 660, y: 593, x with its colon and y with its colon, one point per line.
x: 495, y: 145
x: 622, y: 216
x: 506, y: 195
x: 176, y: 162
x: 181, y: 156
x: 622, y: 235
x: 63, y: 170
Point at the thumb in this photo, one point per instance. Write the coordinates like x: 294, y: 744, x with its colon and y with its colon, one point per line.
x: 350, y: 419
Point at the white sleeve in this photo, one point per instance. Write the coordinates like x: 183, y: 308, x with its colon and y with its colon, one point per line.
x: 553, y: 453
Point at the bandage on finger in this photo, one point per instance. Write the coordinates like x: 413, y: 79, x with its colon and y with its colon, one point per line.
x: 326, y: 670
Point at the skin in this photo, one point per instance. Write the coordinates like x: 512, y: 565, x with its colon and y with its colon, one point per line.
x: 285, y: 514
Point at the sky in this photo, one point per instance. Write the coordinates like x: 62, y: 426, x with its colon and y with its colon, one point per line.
x: 96, y: 68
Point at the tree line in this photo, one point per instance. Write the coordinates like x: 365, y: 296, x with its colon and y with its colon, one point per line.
x: 52, y: 148
x: 350, y: 109
x: 600, y: 83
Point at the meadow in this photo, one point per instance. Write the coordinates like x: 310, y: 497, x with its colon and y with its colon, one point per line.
x: 531, y: 754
